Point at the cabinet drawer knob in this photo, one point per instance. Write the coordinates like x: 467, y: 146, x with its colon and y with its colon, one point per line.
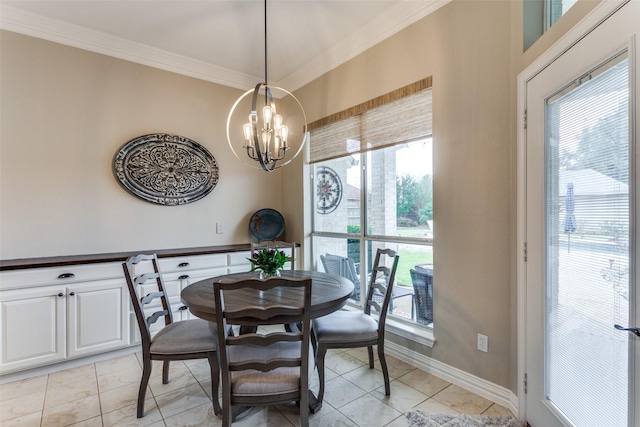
x: 72, y: 293
x: 183, y: 264
x: 60, y: 294
x: 183, y: 307
x: 183, y: 277
x: 66, y: 276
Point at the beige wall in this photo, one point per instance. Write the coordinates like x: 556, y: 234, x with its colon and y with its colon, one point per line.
x: 473, y: 50
x: 465, y: 46
x: 64, y: 113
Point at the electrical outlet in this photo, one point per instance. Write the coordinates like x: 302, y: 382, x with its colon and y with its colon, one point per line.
x: 218, y: 228
x: 483, y: 343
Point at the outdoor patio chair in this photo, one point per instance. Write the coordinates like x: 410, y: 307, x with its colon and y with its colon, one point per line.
x: 422, y: 281
x: 346, y: 267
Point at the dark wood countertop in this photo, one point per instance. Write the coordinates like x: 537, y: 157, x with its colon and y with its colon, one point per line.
x: 57, y: 261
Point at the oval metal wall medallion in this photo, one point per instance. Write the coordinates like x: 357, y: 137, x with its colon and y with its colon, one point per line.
x: 166, y: 169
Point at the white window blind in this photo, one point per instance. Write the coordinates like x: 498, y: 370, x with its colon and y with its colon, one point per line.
x: 587, y: 226
x: 400, y: 116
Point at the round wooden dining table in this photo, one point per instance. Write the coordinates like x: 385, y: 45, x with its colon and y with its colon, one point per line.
x: 329, y: 293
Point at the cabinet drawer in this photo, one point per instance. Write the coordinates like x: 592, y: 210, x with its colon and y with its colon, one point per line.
x: 64, y: 275
x: 237, y: 259
x: 192, y: 262
x: 192, y: 276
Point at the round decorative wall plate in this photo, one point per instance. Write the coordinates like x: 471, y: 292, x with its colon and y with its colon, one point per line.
x: 329, y: 190
x: 266, y: 224
x: 166, y: 169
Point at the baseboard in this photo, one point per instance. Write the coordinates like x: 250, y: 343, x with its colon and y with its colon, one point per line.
x: 68, y: 364
x: 477, y: 385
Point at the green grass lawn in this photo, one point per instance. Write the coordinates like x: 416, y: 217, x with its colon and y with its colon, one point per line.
x: 407, y: 261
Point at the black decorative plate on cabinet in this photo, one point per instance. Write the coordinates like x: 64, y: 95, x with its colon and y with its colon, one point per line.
x: 266, y: 224
x: 166, y: 169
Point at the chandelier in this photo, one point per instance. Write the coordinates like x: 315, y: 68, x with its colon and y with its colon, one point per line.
x: 269, y: 138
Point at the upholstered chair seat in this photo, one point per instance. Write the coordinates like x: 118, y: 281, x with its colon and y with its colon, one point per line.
x: 346, y: 326
x: 187, y: 336
x: 278, y: 381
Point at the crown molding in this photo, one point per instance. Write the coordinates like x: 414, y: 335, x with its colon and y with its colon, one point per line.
x: 405, y: 14
x: 35, y: 25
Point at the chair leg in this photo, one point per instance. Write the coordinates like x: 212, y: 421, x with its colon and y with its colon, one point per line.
x: 370, y: 351
x: 165, y: 372
x: 304, y: 410
x: 144, y: 382
x: 215, y: 382
x: 322, y: 351
x: 383, y: 364
x: 228, y: 413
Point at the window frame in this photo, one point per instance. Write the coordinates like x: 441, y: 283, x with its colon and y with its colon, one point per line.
x: 405, y: 328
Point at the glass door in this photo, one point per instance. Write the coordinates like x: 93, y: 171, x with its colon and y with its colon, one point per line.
x: 581, y: 232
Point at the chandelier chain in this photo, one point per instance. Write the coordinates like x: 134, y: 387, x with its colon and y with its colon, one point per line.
x: 265, y: 42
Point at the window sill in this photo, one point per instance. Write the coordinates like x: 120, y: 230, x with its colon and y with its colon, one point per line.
x: 419, y: 334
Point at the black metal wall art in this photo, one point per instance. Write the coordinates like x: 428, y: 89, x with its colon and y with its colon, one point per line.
x: 329, y: 190
x: 166, y: 169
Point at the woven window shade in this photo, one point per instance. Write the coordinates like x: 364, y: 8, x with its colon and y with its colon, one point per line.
x: 400, y: 116
x: 336, y: 139
x: 399, y: 121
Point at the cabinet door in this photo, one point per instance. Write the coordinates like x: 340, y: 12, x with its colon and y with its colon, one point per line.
x: 97, y: 317
x: 33, y: 327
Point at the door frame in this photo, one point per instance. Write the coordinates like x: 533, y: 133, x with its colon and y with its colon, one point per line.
x: 598, y: 15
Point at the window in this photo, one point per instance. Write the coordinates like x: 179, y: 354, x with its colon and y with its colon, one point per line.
x: 539, y: 16
x: 372, y: 186
x: 557, y: 8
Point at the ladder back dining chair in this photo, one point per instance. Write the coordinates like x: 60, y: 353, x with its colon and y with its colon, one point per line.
x: 187, y: 339
x: 351, y: 329
x: 264, y: 368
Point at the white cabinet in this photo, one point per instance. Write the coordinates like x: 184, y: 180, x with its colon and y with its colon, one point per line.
x: 97, y: 316
x: 47, y: 315
x: 33, y: 327
x: 52, y: 311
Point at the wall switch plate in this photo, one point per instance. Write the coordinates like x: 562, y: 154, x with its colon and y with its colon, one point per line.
x: 218, y: 228
x: 483, y: 343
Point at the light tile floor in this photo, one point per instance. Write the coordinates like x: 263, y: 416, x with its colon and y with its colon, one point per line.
x: 105, y: 393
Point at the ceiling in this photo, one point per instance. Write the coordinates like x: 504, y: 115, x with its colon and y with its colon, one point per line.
x: 220, y: 40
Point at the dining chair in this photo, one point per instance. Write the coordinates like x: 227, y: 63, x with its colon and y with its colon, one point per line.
x: 422, y: 280
x: 276, y: 244
x: 264, y: 368
x: 352, y: 329
x: 187, y: 339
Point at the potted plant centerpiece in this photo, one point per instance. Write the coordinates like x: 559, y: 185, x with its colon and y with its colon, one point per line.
x: 269, y: 261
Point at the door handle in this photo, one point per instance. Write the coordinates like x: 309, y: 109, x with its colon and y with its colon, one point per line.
x: 634, y: 330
